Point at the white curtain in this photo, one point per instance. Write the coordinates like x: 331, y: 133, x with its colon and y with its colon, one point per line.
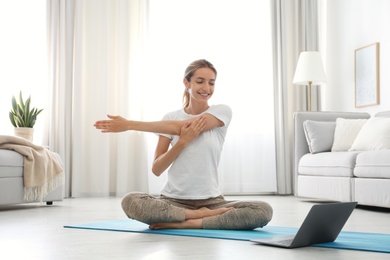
x: 60, y: 17
x: 95, y: 51
x: 128, y: 58
x: 307, y: 30
x: 295, y: 29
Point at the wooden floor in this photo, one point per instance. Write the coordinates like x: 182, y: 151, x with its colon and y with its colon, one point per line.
x: 35, y: 231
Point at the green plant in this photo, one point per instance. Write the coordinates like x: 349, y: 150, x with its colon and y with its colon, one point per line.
x: 21, y: 115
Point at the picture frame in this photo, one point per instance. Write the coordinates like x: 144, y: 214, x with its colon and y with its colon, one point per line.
x: 367, y: 75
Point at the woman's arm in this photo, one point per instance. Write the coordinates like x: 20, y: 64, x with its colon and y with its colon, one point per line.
x: 119, y: 124
x: 164, y: 156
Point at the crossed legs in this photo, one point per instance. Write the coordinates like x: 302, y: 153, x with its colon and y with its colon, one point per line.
x: 214, y: 213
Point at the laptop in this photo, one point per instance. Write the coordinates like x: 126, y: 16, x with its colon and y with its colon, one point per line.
x: 322, y: 224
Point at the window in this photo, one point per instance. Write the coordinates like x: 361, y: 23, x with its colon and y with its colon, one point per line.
x: 236, y: 37
x: 23, y: 61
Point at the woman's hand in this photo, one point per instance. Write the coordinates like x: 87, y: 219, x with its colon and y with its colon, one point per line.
x: 191, y: 130
x: 164, y: 156
x: 115, y: 124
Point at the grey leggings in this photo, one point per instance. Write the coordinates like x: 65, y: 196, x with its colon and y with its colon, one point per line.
x: 148, y: 209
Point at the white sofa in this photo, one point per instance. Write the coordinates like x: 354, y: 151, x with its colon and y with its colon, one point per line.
x: 360, y: 173
x: 11, y: 180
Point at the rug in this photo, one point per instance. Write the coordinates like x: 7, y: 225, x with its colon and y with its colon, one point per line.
x: 373, y: 242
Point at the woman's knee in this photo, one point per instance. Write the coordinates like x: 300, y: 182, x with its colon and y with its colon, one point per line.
x: 263, y: 208
x: 132, y: 203
x: 267, y: 211
x: 261, y: 212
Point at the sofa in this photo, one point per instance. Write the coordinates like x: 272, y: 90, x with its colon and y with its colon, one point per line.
x: 11, y: 181
x: 343, y: 156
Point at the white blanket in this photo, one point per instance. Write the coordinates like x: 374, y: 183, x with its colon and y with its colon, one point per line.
x: 43, y: 172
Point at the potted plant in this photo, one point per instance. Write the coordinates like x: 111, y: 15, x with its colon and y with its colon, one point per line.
x: 23, y: 117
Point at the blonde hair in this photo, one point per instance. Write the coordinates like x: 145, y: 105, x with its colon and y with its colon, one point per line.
x: 189, y: 72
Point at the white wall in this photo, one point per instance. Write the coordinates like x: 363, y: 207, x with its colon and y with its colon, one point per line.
x: 351, y: 24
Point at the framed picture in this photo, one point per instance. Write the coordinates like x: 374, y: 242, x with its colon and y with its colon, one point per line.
x: 367, y: 75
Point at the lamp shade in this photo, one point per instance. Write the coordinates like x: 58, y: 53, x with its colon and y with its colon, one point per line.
x: 309, y: 69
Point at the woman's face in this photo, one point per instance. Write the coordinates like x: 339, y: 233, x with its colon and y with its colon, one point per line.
x: 201, y: 86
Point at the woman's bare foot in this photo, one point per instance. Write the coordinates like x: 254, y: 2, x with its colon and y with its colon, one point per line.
x: 189, y: 223
x: 194, y: 219
x: 205, y: 212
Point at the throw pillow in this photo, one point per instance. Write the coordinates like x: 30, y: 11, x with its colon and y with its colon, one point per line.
x: 319, y: 135
x: 345, y: 133
x: 374, y: 135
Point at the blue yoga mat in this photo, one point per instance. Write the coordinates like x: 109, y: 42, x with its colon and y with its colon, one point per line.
x: 346, y: 240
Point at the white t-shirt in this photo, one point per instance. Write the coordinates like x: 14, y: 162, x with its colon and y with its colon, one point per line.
x: 194, y: 174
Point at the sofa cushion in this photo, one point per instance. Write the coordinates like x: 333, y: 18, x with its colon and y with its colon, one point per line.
x: 328, y: 164
x: 11, y: 164
x: 373, y: 164
x: 319, y: 135
x: 374, y: 135
x: 322, y: 187
x: 345, y: 133
x: 372, y: 192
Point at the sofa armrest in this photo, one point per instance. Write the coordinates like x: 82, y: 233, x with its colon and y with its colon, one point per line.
x: 383, y: 114
x: 300, y: 144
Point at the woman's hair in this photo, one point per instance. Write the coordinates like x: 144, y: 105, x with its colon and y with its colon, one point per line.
x: 198, y: 64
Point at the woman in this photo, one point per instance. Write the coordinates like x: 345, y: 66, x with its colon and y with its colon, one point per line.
x: 195, y: 133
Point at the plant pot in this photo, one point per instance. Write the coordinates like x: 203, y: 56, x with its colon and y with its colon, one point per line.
x: 24, y: 132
